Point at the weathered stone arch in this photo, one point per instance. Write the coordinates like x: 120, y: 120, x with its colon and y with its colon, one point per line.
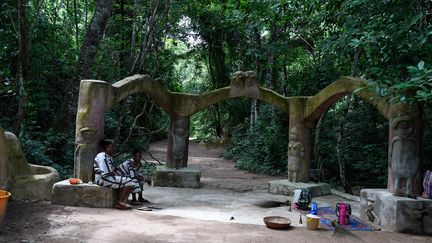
x: 243, y: 84
x: 322, y: 101
x: 403, y: 151
x: 96, y: 97
x: 305, y: 111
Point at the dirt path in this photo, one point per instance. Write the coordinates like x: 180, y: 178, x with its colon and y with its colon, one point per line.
x: 223, y: 210
x: 216, y: 172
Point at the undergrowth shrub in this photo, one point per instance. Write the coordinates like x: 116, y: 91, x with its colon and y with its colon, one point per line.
x: 263, y: 148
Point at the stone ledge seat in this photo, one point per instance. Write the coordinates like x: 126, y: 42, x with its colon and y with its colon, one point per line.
x: 285, y: 187
x: 187, y: 177
x: 399, y: 214
x: 83, y: 195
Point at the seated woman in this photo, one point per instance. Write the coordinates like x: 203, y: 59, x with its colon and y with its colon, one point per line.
x: 131, y: 168
x: 106, y: 175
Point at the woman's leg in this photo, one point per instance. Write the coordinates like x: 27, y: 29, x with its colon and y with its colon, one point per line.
x: 124, y: 194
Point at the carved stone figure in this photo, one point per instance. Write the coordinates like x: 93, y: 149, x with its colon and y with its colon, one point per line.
x: 251, y: 79
x: 295, y: 155
x: 370, y: 211
x: 415, y: 214
x: 225, y: 137
x: 180, y: 135
x: 237, y: 80
x: 82, y: 168
x: 404, y: 155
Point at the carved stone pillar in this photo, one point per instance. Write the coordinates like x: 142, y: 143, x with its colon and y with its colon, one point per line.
x: 404, y: 150
x: 92, y: 102
x: 178, y: 142
x: 299, y: 147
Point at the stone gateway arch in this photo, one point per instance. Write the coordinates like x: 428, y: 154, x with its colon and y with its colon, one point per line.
x: 96, y: 97
x: 385, y: 207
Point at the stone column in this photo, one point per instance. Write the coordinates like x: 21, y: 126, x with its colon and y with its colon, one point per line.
x: 299, y: 147
x: 404, y: 150
x: 178, y: 142
x: 92, y: 103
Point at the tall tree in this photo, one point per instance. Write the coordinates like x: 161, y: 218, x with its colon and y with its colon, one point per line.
x: 23, y: 65
x: 89, y: 48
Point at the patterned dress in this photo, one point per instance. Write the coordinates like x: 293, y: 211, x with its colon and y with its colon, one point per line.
x: 103, y: 166
x: 128, y: 169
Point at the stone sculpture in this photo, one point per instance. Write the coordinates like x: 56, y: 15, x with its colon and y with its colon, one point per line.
x: 295, y: 155
x: 416, y: 213
x: 404, y: 155
x: 179, y: 136
x: 370, y: 211
x: 87, y: 148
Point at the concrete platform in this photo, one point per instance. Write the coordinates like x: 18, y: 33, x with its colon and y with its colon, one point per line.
x: 83, y: 195
x: 285, y: 187
x: 400, y: 214
x: 188, y: 177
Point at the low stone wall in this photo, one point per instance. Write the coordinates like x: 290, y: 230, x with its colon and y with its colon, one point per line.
x: 23, y: 180
x: 37, y: 185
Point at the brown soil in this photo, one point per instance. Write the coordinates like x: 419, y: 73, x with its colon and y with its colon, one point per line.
x: 31, y: 221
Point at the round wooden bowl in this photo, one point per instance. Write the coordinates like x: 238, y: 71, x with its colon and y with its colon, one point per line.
x: 277, y: 222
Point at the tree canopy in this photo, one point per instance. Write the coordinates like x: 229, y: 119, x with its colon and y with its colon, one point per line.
x: 295, y: 47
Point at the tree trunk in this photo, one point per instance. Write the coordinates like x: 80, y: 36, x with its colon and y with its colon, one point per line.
x: 148, y: 31
x: 316, y: 152
x: 253, y: 114
x: 270, y: 57
x: 123, y: 54
x: 86, y: 12
x: 93, y: 38
x: 341, y: 134
x: 254, y: 103
x: 89, y: 48
x: 134, y: 29
x: 76, y: 22
x: 341, y: 143
x: 217, y: 70
x: 159, y: 45
x: 23, y: 67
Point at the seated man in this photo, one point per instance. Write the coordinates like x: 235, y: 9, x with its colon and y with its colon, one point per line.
x: 106, y: 175
x: 132, y: 168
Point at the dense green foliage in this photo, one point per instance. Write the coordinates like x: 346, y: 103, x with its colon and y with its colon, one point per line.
x: 365, y: 146
x: 262, y: 149
x: 296, y: 48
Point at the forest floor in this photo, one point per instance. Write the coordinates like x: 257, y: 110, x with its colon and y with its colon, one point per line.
x: 229, y: 207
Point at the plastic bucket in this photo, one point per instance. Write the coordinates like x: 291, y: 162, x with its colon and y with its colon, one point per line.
x: 312, y: 221
x: 4, y: 196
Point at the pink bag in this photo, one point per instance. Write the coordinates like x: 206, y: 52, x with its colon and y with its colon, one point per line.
x: 343, y: 212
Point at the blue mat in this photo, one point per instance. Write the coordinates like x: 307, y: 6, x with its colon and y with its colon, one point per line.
x: 327, y: 215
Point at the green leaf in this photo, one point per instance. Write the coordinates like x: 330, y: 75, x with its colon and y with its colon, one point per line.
x: 420, y: 65
x: 412, y: 69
